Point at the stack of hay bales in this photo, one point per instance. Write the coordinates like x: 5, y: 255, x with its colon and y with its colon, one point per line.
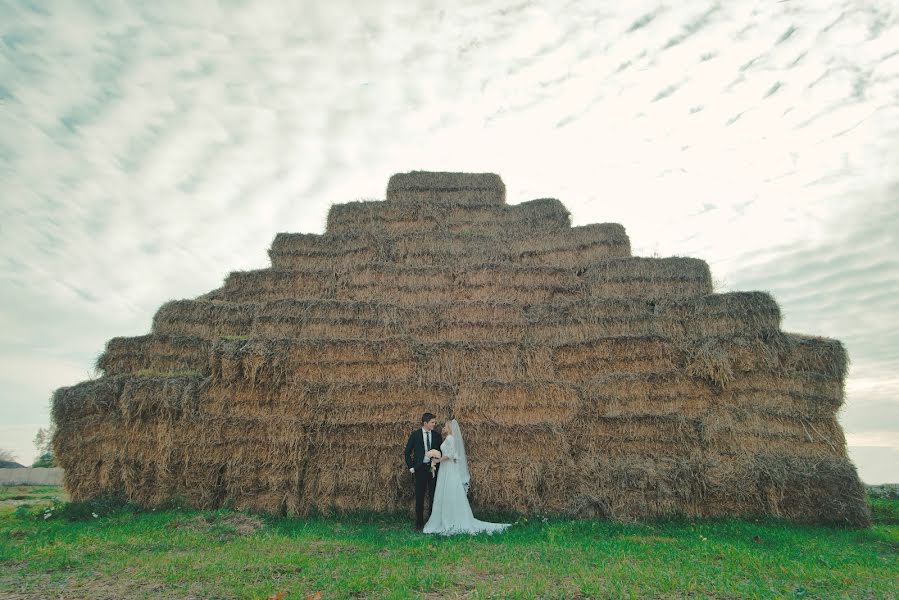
x: 590, y: 382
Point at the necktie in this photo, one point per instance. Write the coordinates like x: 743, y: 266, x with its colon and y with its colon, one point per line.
x: 429, y: 442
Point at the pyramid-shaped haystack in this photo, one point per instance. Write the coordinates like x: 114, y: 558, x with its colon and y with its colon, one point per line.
x: 590, y: 382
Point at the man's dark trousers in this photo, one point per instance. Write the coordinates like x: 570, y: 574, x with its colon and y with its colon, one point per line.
x: 424, y: 483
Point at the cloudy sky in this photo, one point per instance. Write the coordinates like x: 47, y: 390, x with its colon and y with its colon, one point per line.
x: 148, y: 148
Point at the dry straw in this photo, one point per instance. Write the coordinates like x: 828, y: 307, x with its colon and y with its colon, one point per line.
x: 592, y: 383
x: 577, y: 247
x: 455, y: 188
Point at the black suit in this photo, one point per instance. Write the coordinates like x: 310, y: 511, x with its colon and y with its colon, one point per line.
x: 424, y: 482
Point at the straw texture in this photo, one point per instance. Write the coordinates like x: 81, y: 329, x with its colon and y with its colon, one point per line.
x: 636, y: 391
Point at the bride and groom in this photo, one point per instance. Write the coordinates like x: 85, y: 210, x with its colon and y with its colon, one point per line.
x: 446, y: 487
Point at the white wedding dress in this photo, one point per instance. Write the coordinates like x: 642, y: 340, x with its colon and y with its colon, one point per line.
x: 451, y: 513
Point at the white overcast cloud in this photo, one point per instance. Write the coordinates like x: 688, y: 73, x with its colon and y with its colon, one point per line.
x: 146, y: 149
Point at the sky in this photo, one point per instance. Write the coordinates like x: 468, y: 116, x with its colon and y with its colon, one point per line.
x: 149, y: 148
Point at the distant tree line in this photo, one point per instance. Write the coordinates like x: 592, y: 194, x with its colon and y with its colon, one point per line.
x: 43, y: 441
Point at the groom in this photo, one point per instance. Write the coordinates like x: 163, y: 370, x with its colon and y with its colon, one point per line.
x: 420, y: 441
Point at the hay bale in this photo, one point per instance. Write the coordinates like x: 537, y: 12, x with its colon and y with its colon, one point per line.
x: 155, y: 354
x: 456, y: 188
x: 86, y: 399
x: 654, y: 278
x: 664, y: 398
x: 534, y: 216
x: 513, y: 404
x: 804, y: 489
x: 534, y: 284
x: 204, y: 318
x: 575, y: 248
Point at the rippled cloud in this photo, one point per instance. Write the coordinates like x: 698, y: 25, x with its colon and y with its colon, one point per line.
x: 146, y: 149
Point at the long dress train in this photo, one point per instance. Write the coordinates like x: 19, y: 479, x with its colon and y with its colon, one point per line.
x: 451, y: 512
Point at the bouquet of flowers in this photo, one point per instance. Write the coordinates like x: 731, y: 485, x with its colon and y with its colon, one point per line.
x: 432, y: 454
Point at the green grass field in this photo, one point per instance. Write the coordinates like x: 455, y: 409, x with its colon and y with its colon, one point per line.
x: 127, y: 553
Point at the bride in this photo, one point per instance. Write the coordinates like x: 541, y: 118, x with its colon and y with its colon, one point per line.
x: 451, y: 513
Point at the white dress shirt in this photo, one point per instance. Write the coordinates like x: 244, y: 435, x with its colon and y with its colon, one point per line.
x: 425, y: 435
